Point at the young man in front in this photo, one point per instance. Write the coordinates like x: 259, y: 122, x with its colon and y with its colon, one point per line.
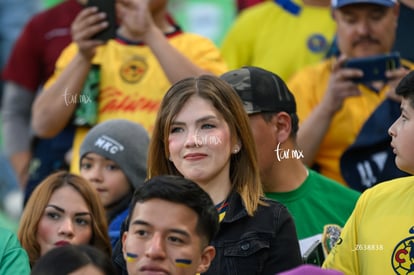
x: 171, y: 224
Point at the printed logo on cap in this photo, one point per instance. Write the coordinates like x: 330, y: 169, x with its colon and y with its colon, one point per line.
x: 108, y: 144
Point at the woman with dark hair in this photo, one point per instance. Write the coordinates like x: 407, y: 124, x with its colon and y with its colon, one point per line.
x: 74, y: 259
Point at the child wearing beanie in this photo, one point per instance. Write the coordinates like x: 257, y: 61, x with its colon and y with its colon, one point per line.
x: 113, y: 158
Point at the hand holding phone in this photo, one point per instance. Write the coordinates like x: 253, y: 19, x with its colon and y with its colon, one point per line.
x: 374, y: 67
x: 108, y: 7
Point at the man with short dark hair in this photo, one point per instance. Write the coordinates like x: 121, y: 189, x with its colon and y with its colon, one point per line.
x: 171, y: 224
x: 378, y: 236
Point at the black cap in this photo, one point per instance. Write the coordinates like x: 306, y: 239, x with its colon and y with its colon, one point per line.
x: 261, y: 90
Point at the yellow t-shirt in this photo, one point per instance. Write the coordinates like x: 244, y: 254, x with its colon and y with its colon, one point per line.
x: 309, y: 86
x: 132, y: 82
x: 270, y: 37
x: 378, y: 238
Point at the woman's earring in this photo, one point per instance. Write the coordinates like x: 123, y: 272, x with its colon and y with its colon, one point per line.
x: 236, y: 149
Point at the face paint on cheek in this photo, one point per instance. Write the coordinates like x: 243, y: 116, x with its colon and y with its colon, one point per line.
x: 131, y: 257
x: 183, y: 262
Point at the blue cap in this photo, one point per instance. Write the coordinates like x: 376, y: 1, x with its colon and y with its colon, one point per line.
x: 340, y: 3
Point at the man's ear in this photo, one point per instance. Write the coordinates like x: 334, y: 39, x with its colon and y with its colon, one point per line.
x: 206, y: 258
x: 396, y: 11
x: 283, y: 123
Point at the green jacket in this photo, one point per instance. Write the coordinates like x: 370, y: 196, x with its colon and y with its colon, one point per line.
x: 13, y: 258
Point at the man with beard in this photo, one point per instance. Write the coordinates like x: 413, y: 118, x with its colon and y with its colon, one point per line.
x: 334, y: 106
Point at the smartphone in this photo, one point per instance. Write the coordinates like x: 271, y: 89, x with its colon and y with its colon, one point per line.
x: 314, y: 255
x: 374, y: 67
x: 107, y: 6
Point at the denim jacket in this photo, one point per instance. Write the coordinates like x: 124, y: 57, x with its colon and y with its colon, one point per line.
x: 263, y: 244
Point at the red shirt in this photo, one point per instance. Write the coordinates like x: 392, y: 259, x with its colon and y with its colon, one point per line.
x: 33, y: 57
x: 242, y: 4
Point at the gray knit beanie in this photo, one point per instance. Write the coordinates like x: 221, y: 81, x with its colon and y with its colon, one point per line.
x: 122, y: 141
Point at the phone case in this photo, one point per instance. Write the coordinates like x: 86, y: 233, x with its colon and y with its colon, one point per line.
x: 374, y: 67
x: 107, y: 6
x: 314, y: 255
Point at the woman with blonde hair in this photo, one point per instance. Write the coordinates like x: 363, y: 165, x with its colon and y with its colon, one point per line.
x: 63, y: 209
x: 202, y: 133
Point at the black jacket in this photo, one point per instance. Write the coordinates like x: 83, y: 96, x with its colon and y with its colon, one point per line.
x: 263, y: 244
